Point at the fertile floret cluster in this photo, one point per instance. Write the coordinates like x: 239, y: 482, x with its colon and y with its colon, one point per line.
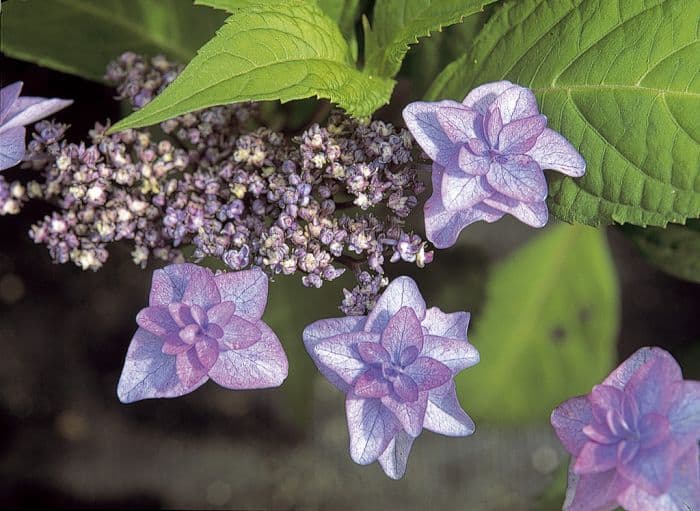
x: 333, y: 198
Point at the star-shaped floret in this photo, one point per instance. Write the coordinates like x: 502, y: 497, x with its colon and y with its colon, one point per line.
x: 489, y: 153
x: 396, y: 367
x: 199, y: 326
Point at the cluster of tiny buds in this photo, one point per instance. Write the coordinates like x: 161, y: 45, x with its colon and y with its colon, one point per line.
x: 220, y: 187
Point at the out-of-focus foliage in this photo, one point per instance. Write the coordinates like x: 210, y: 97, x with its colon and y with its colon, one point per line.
x: 675, y: 249
x: 619, y: 79
x: 548, y: 329
x: 82, y: 36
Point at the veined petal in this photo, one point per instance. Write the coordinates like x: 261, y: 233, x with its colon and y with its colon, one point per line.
x: 515, y: 103
x: 8, y: 95
x: 395, y: 457
x: 190, y: 369
x: 470, y: 163
x: 422, y: 121
x: 462, y: 191
x: 493, y: 124
x: 169, y: 283
x: 26, y: 110
x: 553, y: 151
x: 442, y: 227
x: 622, y: 374
x: 247, y: 289
x: 446, y: 324
x: 534, y: 214
x: 428, y: 373
x: 373, y: 352
x: 684, y: 413
x: 593, y: 492
x: 682, y: 495
x: 401, y: 292
x: 520, y: 136
x: 483, y: 96
x: 458, y: 122
x: 651, y: 468
x: 221, y: 313
x: 405, y: 388
x: 402, y: 331
x: 371, y: 427
x: 157, y: 320
x: 12, y: 147
x: 149, y: 373
x: 371, y: 384
x: 652, y: 384
x: 454, y: 353
x: 201, y: 290
x: 324, y: 329
x: 568, y: 421
x: 410, y: 414
x: 207, y: 351
x: 240, y: 333
x: 594, y: 457
x: 339, y: 354
x: 259, y: 366
x: 519, y: 178
x: 444, y: 414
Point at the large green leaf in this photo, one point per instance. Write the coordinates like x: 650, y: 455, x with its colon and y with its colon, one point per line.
x: 82, y: 36
x: 287, y: 51
x: 547, y: 331
x: 619, y: 79
x: 397, y: 24
x: 675, y: 249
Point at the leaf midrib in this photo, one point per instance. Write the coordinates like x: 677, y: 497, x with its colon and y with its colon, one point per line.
x: 615, y: 87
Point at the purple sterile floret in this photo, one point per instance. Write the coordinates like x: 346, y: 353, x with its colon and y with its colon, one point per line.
x: 634, y: 439
x: 489, y: 153
x: 396, y: 367
x: 15, y: 113
x: 199, y: 326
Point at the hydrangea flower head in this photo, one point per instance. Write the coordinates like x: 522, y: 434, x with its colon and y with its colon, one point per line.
x: 488, y: 156
x: 15, y: 113
x: 396, y: 366
x: 634, y: 439
x: 199, y: 326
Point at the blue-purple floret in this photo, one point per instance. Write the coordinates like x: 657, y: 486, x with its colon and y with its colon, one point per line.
x: 331, y: 199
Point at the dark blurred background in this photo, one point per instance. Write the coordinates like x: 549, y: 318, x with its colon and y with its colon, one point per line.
x: 68, y: 442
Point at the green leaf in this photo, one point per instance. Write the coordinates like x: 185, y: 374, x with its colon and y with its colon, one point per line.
x: 344, y: 13
x: 620, y: 80
x: 399, y: 23
x: 82, y: 36
x: 675, y: 249
x: 547, y: 331
x: 426, y: 60
x: 287, y: 51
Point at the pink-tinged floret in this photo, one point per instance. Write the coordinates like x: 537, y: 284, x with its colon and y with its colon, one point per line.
x: 200, y: 326
x: 489, y: 153
x: 396, y: 367
x: 634, y: 439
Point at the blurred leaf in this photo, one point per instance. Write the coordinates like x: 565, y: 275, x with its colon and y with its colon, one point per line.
x: 82, y: 36
x: 396, y: 24
x: 620, y: 80
x: 344, y: 13
x: 548, y: 328
x: 290, y: 308
x: 287, y: 51
x: 675, y: 249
